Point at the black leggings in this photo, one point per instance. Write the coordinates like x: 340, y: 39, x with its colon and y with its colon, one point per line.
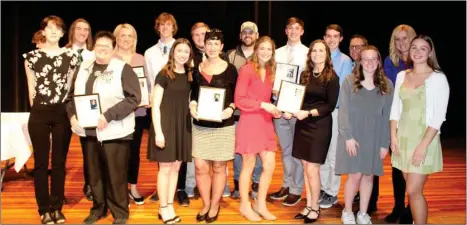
x: 43, y: 121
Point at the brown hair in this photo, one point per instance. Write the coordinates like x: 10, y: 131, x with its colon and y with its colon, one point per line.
x: 168, y: 69
x: 328, y: 71
x: 365, y: 41
x: 71, y: 34
x: 198, y: 25
x: 293, y: 20
x: 56, y: 20
x: 379, y: 77
x: 38, y: 38
x: 432, y: 61
x: 271, y: 64
x: 164, y: 17
x: 335, y: 27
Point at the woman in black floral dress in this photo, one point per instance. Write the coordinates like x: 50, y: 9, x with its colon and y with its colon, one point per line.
x: 48, y: 72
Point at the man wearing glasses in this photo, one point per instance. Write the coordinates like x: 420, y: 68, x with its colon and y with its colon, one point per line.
x: 356, y: 44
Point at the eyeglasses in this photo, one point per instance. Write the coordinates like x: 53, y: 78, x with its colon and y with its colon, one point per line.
x: 353, y: 47
x: 367, y: 60
x: 214, y: 30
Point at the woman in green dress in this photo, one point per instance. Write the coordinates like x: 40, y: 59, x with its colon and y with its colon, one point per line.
x: 418, y: 110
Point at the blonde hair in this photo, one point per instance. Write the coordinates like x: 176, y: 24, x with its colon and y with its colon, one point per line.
x: 394, y: 54
x: 270, y: 64
x: 117, y: 31
x: 198, y: 25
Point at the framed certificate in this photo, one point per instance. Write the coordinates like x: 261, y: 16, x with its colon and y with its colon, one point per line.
x: 287, y: 72
x: 143, y: 84
x: 139, y: 70
x: 290, y: 98
x: 88, y: 109
x: 211, y: 103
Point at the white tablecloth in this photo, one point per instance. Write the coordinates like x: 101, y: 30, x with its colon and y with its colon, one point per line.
x: 15, y: 138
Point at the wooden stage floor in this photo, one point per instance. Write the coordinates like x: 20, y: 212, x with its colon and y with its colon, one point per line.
x: 445, y: 193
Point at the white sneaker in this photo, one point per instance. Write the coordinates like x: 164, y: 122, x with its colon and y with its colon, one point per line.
x: 348, y: 217
x: 363, y: 218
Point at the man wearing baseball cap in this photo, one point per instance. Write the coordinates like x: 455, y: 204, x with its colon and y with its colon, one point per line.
x: 239, y: 57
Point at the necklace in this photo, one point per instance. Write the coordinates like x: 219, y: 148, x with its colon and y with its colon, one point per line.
x: 316, y: 74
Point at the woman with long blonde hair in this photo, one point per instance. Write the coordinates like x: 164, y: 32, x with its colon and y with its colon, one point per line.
x: 255, y: 132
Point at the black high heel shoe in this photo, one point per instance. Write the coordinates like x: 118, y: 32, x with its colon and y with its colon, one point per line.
x: 310, y: 220
x: 212, y: 219
x: 200, y: 218
x: 302, y: 216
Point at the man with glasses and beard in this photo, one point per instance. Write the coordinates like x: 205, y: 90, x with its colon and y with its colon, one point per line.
x: 239, y: 57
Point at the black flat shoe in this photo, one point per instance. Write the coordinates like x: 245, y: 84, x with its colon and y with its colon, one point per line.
x: 213, y: 219
x: 46, y: 218
x: 302, y: 216
x: 310, y: 220
x: 200, y: 218
x: 58, y: 216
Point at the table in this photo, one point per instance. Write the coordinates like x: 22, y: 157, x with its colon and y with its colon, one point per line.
x: 15, y: 140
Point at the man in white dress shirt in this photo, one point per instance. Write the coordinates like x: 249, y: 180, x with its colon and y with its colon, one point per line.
x: 294, y: 52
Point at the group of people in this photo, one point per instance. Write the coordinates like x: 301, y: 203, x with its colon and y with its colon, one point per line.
x: 354, y: 112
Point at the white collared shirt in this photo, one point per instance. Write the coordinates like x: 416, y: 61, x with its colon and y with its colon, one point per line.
x: 437, y: 98
x: 86, y: 54
x: 156, y: 60
x: 299, y: 56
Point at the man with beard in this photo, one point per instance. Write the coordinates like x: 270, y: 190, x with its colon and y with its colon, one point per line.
x: 239, y: 57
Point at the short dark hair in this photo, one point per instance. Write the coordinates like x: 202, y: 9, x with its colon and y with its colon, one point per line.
x: 335, y: 27
x: 105, y: 34
x: 365, y: 41
x: 214, y: 34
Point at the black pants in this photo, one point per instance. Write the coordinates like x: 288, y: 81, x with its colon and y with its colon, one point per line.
x: 108, y: 168
x: 82, y: 140
x: 182, y: 176
x: 141, y: 123
x: 43, y: 121
x: 374, y: 193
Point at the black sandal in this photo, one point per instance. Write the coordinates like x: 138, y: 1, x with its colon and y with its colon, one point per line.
x: 302, y: 216
x: 169, y: 221
x: 310, y: 220
x: 176, y: 219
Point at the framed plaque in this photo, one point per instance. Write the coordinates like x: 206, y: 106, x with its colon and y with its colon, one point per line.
x: 287, y: 72
x: 211, y: 103
x: 143, y: 84
x: 290, y: 98
x: 88, y: 110
x: 139, y: 70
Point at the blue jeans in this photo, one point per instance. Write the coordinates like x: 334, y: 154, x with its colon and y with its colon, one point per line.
x: 238, y: 168
x: 293, y: 169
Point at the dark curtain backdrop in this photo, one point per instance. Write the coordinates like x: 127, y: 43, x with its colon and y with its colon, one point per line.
x: 443, y: 21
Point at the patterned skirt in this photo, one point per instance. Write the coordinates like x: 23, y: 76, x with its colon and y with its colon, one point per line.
x: 217, y: 144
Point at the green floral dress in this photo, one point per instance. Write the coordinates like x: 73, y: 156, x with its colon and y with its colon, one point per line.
x: 411, y: 129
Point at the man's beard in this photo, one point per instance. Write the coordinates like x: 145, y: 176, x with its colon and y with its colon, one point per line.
x: 248, y: 45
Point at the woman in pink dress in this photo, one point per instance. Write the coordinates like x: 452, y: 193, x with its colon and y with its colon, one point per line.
x: 255, y: 131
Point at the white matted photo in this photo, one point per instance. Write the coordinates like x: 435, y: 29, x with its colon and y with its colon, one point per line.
x: 211, y: 103
x: 290, y: 98
x: 88, y: 110
x: 139, y: 70
x: 143, y: 84
x: 287, y: 72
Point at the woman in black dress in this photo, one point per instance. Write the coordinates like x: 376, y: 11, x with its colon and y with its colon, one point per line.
x: 47, y: 71
x: 171, y: 124
x: 314, y: 125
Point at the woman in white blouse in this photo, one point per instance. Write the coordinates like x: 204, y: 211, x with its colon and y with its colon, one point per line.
x: 418, y: 110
